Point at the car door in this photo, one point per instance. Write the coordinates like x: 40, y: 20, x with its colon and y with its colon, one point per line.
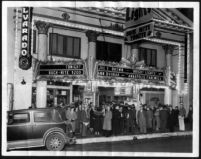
x: 42, y: 122
x: 19, y: 127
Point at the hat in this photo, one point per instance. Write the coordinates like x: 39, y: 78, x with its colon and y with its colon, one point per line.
x: 117, y: 106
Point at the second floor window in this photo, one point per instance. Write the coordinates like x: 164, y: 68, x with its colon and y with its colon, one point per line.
x: 149, y: 56
x: 66, y: 46
x: 108, y: 51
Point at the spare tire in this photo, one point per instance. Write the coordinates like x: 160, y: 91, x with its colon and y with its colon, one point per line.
x: 55, y: 142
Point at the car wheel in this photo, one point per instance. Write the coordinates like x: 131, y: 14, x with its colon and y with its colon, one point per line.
x: 55, y: 142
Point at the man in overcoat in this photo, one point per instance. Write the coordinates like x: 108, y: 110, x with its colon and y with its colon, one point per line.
x: 141, y: 118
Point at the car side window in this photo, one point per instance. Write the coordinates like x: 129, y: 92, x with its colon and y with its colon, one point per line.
x: 42, y: 116
x: 19, y: 118
x: 56, y: 116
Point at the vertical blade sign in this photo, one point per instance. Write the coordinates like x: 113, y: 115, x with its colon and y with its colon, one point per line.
x: 25, y: 59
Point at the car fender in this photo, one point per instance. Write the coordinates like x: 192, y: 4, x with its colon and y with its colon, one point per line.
x: 54, y: 130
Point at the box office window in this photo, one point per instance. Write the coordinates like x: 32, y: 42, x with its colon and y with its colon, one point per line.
x: 66, y: 46
x: 108, y: 51
x: 149, y: 56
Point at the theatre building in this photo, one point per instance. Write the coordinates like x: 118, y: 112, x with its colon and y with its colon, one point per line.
x: 101, y: 55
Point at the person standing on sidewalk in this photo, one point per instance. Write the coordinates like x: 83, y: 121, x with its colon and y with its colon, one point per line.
x: 92, y: 118
x: 176, y: 110
x: 130, y: 120
x: 125, y: 114
x: 141, y: 118
x: 134, y: 117
x: 171, y: 116
x: 182, y: 113
x: 107, y: 122
x: 190, y: 117
x: 73, y: 118
x: 78, y: 123
x: 163, y: 118
x: 84, y: 120
x: 116, y: 120
x: 98, y: 120
x: 157, y: 119
x: 149, y: 117
x: 121, y: 122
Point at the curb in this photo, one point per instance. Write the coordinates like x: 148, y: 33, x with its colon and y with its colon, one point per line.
x: 130, y: 137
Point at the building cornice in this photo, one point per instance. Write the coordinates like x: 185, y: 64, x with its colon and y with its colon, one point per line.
x: 79, y: 26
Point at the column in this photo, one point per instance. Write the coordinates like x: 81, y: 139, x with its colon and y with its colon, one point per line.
x: 168, y: 60
x: 41, y: 94
x: 190, y: 82
x: 41, y: 86
x: 42, y: 39
x: 92, y: 37
x: 134, y: 53
x: 168, y: 54
x: 168, y: 96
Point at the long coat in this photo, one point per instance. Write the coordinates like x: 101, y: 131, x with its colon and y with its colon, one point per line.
x: 141, y: 117
x: 163, y: 119
x: 171, y: 120
x: 116, y: 121
x: 84, y: 116
x: 149, y: 117
x: 84, y: 119
x: 78, y: 119
x: 107, y: 122
x: 98, y: 122
x: 92, y: 118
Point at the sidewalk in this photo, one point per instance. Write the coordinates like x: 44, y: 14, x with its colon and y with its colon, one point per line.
x: 130, y: 137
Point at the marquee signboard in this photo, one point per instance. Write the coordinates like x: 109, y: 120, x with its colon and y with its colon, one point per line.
x: 60, y: 70
x: 25, y: 53
x: 109, y: 71
x: 137, y: 16
x: 138, y: 33
x: 138, y: 24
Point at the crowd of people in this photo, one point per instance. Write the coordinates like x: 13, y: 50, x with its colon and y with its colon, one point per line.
x: 118, y: 119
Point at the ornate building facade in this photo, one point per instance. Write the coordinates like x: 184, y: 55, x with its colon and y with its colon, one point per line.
x: 92, y: 55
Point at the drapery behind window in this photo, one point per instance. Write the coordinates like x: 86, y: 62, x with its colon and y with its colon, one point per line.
x: 66, y: 46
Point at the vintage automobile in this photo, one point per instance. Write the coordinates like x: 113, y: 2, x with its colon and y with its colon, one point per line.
x: 38, y: 127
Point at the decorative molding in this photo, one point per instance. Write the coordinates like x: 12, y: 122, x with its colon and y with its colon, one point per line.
x: 42, y: 27
x: 65, y: 16
x: 92, y: 36
x: 79, y: 26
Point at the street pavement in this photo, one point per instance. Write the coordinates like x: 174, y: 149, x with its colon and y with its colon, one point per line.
x: 176, y: 142
x: 171, y: 144
x: 130, y: 137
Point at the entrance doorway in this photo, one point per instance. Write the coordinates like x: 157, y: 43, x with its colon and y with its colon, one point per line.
x: 106, y: 94
x: 152, y: 96
x: 56, y: 96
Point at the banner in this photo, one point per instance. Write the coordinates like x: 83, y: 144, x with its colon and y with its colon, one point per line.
x: 25, y: 60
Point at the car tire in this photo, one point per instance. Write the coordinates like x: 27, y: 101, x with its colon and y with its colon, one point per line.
x: 55, y: 142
